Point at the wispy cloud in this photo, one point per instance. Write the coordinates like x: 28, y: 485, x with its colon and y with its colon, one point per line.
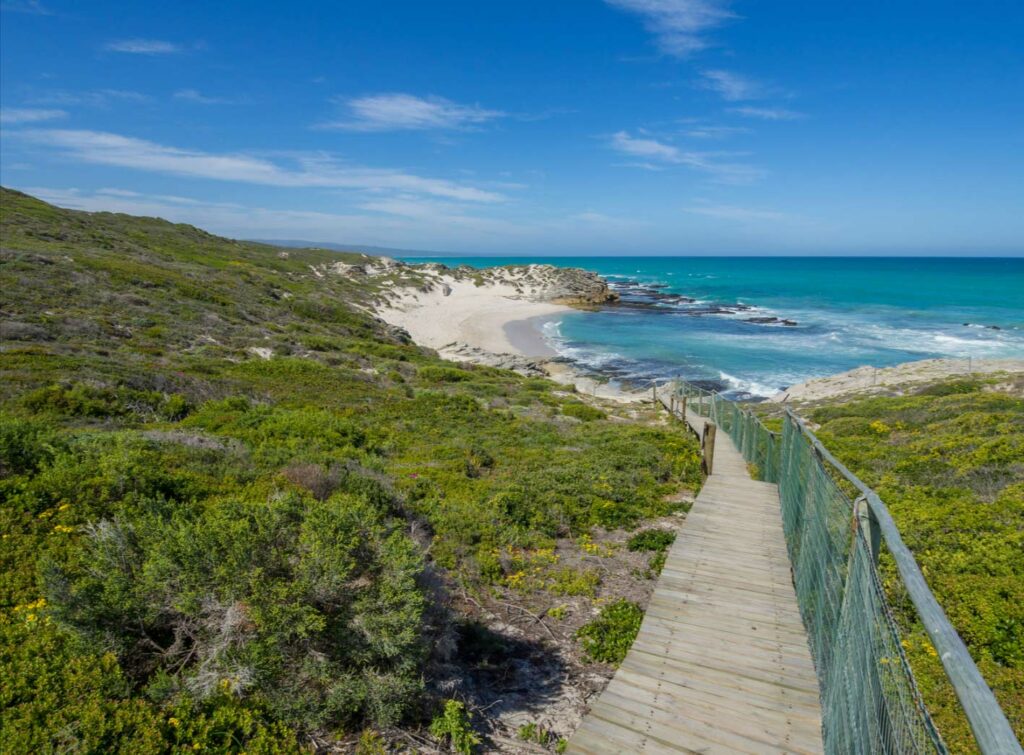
x: 652, y: 154
x: 734, y: 213
x: 90, y: 98
x: 715, y: 132
x: 407, y: 112
x: 197, y: 97
x: 316, y: 170
x: 29, y: 115
x: 679, y: 26
x: 143, y: 47
x: 31, y: 7
x: 767, y: 113
x: 731, y: 86
x: 649, y: 149
x: 602, y: 221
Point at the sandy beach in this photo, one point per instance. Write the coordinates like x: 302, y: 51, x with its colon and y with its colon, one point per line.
x: 493, y: 317
x: 526, y: 338
x: 495, y: 324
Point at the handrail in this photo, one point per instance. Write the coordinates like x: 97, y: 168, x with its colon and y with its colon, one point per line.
x: 992, y: 731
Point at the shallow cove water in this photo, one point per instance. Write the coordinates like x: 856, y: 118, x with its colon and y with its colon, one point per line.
x: 729, y: 321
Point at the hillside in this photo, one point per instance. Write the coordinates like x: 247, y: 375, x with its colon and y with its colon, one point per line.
x: 240, y: 512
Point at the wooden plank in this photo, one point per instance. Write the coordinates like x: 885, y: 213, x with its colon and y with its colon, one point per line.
x: 721, y: 662
x: 672, y: 726
x: 691, y: 665
x: 754, y: 722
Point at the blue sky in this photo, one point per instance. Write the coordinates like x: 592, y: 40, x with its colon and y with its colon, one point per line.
x: 531, y: 126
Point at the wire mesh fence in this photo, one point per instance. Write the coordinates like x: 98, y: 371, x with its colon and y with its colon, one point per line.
x: 870, y: 701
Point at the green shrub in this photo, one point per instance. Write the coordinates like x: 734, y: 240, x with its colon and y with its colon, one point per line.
x: 453, y: 725
x: 583, y: 412
x: 658, y: 540
x: 371, y: 743
x: 951, y: 388
x: 608, y: 638
x: 26, y: 444
x: 314, y: 609
x: 656, y: 564
x: 533, y: 732
x: 443, y: 374
x: 81, y: 400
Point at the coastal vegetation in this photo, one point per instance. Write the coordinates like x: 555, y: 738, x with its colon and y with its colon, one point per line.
x: 241, y: 513
x: 948, y: 460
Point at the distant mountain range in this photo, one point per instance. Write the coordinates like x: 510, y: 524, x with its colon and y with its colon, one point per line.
x: 380, y: 251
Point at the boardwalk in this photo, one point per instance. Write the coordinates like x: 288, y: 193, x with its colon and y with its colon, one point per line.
x: 721, y: 663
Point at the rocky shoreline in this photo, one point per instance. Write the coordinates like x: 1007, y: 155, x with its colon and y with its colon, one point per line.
x: 652, y: 298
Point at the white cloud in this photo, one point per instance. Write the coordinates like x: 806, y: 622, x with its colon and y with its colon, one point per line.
x: 402, y: 112
x: 731, y: 86
x: 194, y: 95
x: 90, y: 98
x: 31, y: 7
x: 715, y: 132
x: 318, y: 170
x: 647, y: 148
x: 142, y: 46
x: 29, y: 115
x: 679, y: 26
x: 733, y: 213
x: 767, y: 113
x: 652, y: 153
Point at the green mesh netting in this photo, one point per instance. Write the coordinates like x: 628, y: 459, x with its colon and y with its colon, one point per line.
x: 869, y: 701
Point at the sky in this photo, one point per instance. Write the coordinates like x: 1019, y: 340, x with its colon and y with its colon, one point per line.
x: 531, y: 127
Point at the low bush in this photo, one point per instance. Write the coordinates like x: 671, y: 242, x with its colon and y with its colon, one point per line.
x: 432, y: 374
x: 658, y: 540
x: 453, y: 725
x: 608, y: 638
x: 583, y: 412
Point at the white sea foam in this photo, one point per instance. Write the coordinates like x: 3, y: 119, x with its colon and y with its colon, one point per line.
x: 753, y: 387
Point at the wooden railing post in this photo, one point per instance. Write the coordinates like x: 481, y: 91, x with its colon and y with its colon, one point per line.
x: 869, y: 527
x: 708, y: 444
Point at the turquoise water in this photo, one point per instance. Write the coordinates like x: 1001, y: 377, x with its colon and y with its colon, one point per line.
x: 848, y: 312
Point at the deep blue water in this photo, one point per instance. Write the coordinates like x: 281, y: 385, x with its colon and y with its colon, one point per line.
x: 848, y: 312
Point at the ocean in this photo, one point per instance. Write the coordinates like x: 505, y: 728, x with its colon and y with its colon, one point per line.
x: 754, y: 325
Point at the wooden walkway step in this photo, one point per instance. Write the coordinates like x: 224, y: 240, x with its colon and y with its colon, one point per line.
x: 721, y: 663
